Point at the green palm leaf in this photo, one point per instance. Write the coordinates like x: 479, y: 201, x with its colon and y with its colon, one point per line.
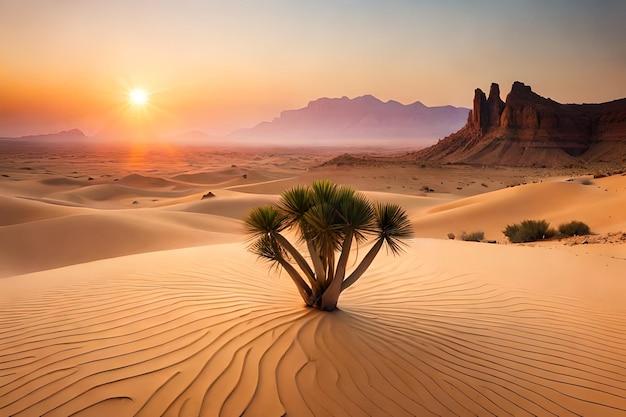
x: 324, y: 191
x: 295, y: 202
x: 265, y: 248
x: 392, y: 225
x: 326, y: 228
x: 264, y: 220
x: 357, y: 215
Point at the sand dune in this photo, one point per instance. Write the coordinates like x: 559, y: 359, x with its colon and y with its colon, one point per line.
x: 230, y: 176
x: 61, y: 241
x: 600, y: 205
x: 111, y: 195
x: 136, y: 297
x: 226, y: 203
x: 108, y: 193
x: 143, y: 181
x: 206, y: 331
x: 62, y: 181
x: 15, y: 210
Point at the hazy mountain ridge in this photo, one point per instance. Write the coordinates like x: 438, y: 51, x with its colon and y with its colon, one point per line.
x: 362, y: 118
x: 71, y: 134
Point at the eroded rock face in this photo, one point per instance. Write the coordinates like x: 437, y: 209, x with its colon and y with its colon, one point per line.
x: 477, y: 116
x: 486, y: 112
x: 529, y: 130
x: 495, y: 106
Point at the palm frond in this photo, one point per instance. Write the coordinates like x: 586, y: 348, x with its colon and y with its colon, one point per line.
x: 264, y: 220
x: 357, y: 214
x: 326, y: 227
x: 393, y: 225
x: 265, y: 248
x: 324, y: 191
x: 343, y: 193
x: 295, y: 202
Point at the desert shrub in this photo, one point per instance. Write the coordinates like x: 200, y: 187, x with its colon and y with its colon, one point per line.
x: 451, y: 236
x: 529, y: 231
x: 574, y: 228
x: 586, y: 181
x: 427, y: 189
x: 473, y: 237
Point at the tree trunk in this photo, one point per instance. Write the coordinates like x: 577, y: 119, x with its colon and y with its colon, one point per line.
x: 331, y: 295
x: 365, y: 263
x: 320, y: 273
x: 302, y: 263
x: 330, y: 268
x: 303, y: 288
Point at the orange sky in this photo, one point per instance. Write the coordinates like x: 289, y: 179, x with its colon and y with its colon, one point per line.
x: 220, y: 65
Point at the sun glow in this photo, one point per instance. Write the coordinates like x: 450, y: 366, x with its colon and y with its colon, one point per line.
x: 138, y: 97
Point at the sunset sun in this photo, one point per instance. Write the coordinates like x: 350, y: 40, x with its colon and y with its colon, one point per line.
x: 138, y: 97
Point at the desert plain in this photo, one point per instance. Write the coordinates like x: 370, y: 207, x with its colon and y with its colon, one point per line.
x: 123, y: 292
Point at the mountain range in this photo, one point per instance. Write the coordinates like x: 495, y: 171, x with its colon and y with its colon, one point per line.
x: 364, y: 120
x: 361, y: 120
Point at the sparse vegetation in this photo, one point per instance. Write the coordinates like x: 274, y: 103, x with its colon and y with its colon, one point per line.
x: 574, y: 228
x: 328, y: 219
x: 473, y: 237
x: 427, y: 189
x: 586, y: 181
x: 451, y: 236
x: 529, y: 231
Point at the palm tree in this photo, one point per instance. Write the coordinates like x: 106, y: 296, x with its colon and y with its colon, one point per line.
x: 328, y: 219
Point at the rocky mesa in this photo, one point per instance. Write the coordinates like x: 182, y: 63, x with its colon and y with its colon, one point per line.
x: 530, y: 130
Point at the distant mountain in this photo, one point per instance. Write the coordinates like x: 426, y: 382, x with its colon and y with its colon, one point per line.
x: 530, y: 130
x: 73, y: 134
x: 363, y: 119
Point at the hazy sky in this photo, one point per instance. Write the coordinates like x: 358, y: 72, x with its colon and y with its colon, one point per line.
x: 219, y: 65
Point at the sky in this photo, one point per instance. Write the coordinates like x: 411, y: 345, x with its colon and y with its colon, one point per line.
x: 216, y: 66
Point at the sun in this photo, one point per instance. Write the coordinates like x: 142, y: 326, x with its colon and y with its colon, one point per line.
x: 138, y: 97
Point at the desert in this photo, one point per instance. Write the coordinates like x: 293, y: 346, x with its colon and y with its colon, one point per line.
x: 124, y: 292
x: 324, y: 208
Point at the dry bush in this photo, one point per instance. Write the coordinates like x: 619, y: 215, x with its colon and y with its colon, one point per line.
x: 529, y: 231
x: 574, y: 228
x: 473, y: 237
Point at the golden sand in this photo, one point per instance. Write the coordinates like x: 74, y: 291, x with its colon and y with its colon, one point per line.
x: 128, y: 294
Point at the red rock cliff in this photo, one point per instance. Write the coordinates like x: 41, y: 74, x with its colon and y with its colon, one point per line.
x: 530, y: 130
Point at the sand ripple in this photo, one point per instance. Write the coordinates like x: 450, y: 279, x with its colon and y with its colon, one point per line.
x: 210, y: 333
